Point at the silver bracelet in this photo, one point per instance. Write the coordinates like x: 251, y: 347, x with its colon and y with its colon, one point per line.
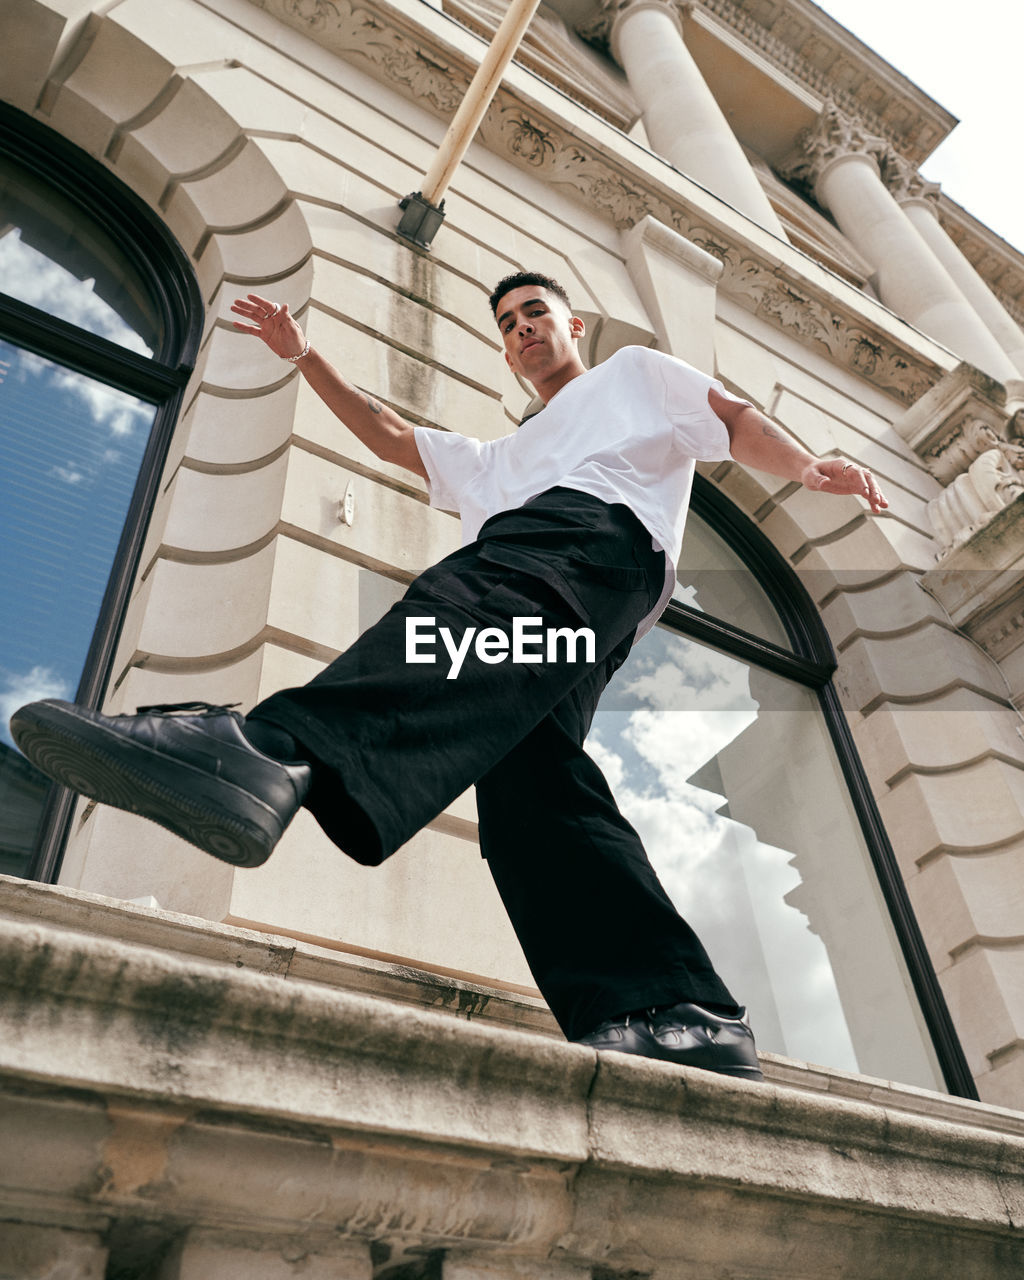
x: 301, y: 356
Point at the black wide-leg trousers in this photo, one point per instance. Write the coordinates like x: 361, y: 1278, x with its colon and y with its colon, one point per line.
x: 394, y: 741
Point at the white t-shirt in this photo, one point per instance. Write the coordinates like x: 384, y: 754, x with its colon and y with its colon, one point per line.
x: 629, y: 430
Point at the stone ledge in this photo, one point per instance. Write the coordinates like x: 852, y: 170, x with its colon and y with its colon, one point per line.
x: 454, y: 995
x: 275, y: 954
x: 194, y: 1092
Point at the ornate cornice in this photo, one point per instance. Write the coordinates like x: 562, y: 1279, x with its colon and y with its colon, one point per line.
x: 395, y: 50
x: 819, y: 54
x: 816, y: 53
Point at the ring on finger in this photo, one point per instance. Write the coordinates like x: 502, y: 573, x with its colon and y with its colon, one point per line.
x: 846, y: 467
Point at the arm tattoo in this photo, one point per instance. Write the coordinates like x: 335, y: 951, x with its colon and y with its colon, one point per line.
x: 374, y: 405
x: 769, y: 430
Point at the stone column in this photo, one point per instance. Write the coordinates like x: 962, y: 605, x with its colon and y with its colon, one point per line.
x: 919, y: 201
x: 845, y: 165
x: 683, y: 121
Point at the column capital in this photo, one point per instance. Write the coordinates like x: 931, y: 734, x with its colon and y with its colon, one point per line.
x: 600, y: 28
x: 905, y: 183
x: 833, y: 136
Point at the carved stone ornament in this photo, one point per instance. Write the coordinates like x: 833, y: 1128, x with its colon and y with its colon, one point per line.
x: 833, y: 135
x: 974, y: 498
x: 597, y: 29
x: 963, y: 433
x: 966, y: 442
x: 351, y: 28
x: 595, y: 176
x: 904, y: 181
x: 314, y: 13
x: 960, y: 418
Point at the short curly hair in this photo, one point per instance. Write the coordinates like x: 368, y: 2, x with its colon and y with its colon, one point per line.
x: 521, y: 278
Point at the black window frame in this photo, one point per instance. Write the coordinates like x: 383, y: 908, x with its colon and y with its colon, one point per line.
x: 812, y: 663
x: 160, y: 380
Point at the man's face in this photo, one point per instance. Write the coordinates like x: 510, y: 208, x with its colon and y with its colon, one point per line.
x: 539, y: 332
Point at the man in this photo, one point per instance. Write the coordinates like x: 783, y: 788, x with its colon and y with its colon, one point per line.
x: 571, y: 528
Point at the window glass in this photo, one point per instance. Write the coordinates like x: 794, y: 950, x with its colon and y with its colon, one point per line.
x: 711, y: 577
x: 59, y: 261
x: 729, y: 775
x: 70, y: 450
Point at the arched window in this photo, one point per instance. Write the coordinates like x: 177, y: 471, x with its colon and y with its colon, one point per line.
x: 728, y: 750
x: 99, y: 322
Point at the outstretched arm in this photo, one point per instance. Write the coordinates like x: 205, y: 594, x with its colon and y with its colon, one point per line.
x: 387, y: 435
x: 760, y: 443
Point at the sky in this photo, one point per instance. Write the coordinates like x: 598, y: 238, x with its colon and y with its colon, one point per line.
x: 966, y: 57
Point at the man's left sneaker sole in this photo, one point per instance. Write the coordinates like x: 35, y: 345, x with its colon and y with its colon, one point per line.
x: 86, y: 756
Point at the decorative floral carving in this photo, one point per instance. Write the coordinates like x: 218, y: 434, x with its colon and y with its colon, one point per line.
x: 426, y: 78
x: 625, y: 205
x: 314, y: 13
x: 769, y: 294
x: 717, y: 248
x: 865, y: 356
x: 528, y: 141
x: 560, y: 160
x: 345, y: 26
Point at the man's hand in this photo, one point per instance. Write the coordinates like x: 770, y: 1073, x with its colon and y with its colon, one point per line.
x: 759, y: 442
x: 378, y: 427
x: 835, y: 475
x: 271, y: 322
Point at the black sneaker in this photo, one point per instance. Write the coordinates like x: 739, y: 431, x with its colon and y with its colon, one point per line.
x: 187, y: 766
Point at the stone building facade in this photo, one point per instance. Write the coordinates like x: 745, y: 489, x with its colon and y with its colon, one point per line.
x: 323, y: 1070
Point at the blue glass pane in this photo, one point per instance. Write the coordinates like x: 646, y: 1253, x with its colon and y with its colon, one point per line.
x: 70, y: 450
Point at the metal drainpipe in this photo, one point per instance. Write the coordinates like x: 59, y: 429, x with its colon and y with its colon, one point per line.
x: 424, y: 210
